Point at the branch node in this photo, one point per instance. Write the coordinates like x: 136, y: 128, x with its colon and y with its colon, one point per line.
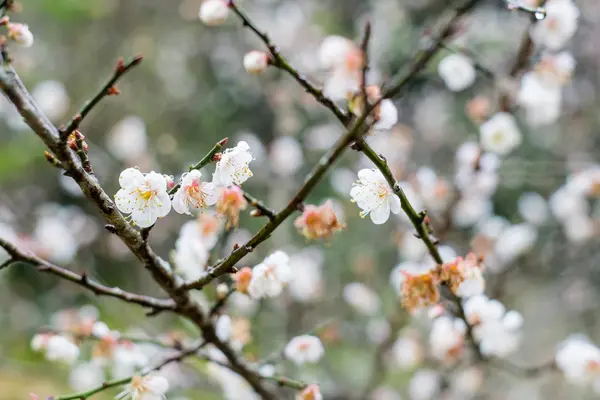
x: 111, y: 228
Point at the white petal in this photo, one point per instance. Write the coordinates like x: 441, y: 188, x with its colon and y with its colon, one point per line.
x: 130, y: 178
x: 156, y: 181
x: 179, y: 203
x: 125, y: 201
x: 380, y: 214
x: 162, y: 204
x: 158, y: 384
x: 211, y: 193
x: 395, y: 205
x: 388, y: 115
x: 144, y: 217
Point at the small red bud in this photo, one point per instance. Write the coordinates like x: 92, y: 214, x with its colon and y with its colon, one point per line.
x: 137, y: 59
x: 217, y: 157
x: 4, y: 21
x: 223, y: 142
x: 120, y: 65
x: 113, y: 91
x: 236, y: 246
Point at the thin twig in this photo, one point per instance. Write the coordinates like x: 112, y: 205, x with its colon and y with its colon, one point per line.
x: 106, y: 90
x: 278, y: 61
x: 209, y: 157
x: 85, y: 281
x: 118, y: 382
x: 259, y: 205
x: 219, y: 304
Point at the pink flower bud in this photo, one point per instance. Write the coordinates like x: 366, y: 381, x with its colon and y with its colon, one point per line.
x: 256, y: 61
x: 170, y: 181
x: 317, y: 222
x: 242, y: 279
x: 21, y: 34
x: 311, y: 392
x: 214, y: 12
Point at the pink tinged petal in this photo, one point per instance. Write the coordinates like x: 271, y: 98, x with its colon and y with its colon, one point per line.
x: 179, y: 203
x: 131, y: 178
x: 156, y: 181
x: 125, y: 201
x: 380, y: 214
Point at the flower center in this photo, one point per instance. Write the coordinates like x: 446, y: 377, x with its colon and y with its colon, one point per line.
x: 146, y: 194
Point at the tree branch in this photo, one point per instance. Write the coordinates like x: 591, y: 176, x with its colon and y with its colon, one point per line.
x: 259, y: 205
x: 106, y: 90
x: 278, y: 61
x: 117, y: 382
x: 85, y: 281
x: 160, y: 270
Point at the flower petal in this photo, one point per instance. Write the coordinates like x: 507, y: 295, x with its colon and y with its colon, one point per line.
x: 380, y: 214
x: 131, y: 177
x: 125, y: 201
x: 179, y: 203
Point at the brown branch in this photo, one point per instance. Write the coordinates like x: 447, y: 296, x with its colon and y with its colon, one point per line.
x: 107, y: 90
x: 263, y: 210
x: 160, y: 270
x: 123, y: 381
x: 83, y: 280
x: 280, y: 62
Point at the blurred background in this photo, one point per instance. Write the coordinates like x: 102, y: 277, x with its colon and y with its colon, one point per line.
x: 192, y: 90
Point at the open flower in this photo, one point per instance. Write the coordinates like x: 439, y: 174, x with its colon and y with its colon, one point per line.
x: 318, y: 222
x: 310, y: 392
x: 144, y: 196
x: 343, y: 58
x: 194, y: 194
x: 579, y: 360
x: 57, y: 347
x: 463, y: 276
x: 500, y: 134
x: 559, y: 26
x: 374, y: 196
x: 21, y: 34
x: 229, y: 204
x: 149, y: 387
x: 457, y: 71
x: 304, y: 349
x: 269, y: 277
x: 233, y: 166
x: 213, y: 12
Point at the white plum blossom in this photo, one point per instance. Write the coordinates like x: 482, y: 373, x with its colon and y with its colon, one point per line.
x: 559, y: 26
x: 304, y: 349
x: 446, y: 338
x: 555, y: 69
x: 149, y: 387
x: 57, y: 347
x: 21, y: 34
x: 285, y: 155
x: 497, y: 331
x: 533, y: 208
x: 270, y: 276
x: 128, y: 140
x: 233, y: 167
x: 579, y: 360
x: 541, y: 101
x: 192, y: 248
x: 307, y: 284
x: 424, y: 385
x: 343, y: 59
x: 223, y: 327
x: 52, y: 98
x: 362, y: 298
x: 194, y: 194
x: 213, y: 12
x: 374, y: 196
x: 86, y: 375
x: 256, y: 61
x: 407, y: 352
x: 515, y: 241
x: 457, y: 71
x: 143, y: 196
x: 500, y: 134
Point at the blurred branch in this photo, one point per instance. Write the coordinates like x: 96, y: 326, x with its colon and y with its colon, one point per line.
x: 117, y: 382
x: 85, y: 281
x: 422, y: 58
x: 521, y: 371
x: 378, y: 365
x: 278, y: 61
x: 160, y: 270
x: 417, y: 220
x: 107, y: 90
x: 120, y: 338
x: 260, y: 206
